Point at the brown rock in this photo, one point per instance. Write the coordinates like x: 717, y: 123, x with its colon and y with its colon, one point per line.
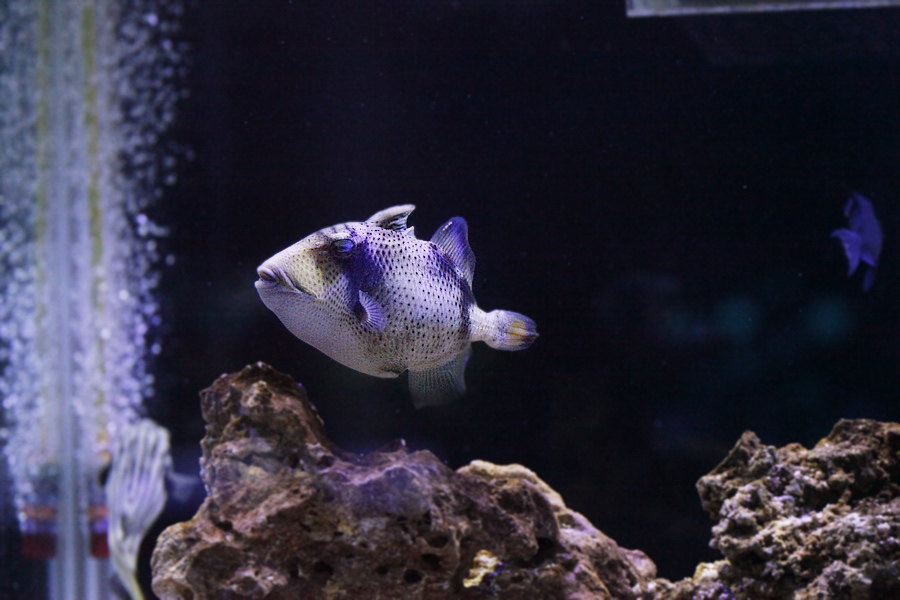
x: 800, y: 524
x: 289, y: 515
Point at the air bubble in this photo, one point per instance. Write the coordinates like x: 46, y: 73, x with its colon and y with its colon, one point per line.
x: 109, y: 296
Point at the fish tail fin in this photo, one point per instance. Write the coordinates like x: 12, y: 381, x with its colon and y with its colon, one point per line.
x: 869, y: 279
x: 852, y: 247
x: 506, y: 330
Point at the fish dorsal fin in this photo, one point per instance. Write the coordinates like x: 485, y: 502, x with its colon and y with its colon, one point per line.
x: 370, y: 314
x: 393, y: 218
x: 453, y: 238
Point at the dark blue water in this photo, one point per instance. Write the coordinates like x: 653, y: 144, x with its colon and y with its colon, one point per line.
x: 657, y: 194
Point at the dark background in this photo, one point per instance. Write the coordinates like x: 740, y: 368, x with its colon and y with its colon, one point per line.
x: 657, y: 194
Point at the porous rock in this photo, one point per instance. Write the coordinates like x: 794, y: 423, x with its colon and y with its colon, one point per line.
x: 803, y: 524
x: 290, y: 515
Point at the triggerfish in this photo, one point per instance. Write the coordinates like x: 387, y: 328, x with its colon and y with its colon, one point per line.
x: 862, y: 241
x: 377, y: 299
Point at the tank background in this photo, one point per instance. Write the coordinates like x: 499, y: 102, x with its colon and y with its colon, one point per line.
x: 660, y: 206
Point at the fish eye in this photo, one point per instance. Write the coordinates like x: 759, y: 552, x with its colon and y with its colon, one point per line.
x: 343, y: 247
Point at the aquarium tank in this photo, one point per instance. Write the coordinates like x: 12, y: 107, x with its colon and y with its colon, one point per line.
x: 697, y: 208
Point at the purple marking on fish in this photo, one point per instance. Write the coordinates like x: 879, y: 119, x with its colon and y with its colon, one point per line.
x: 862, y: 241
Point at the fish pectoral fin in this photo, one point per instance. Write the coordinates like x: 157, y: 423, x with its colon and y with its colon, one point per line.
x: 370, y: 314
x: 392, y: 218
x: 852, y: 247
x: 439, y: 385
x: 453, y: 239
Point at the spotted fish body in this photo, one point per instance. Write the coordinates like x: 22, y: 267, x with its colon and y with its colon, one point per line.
x: 377, y: 299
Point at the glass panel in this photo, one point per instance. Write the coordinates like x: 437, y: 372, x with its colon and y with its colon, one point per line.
x: 662, y: 8
x: 86, y: 96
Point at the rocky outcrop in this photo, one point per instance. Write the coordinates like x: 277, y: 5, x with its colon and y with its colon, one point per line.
x: 801, y: 524
x: 290, y: 515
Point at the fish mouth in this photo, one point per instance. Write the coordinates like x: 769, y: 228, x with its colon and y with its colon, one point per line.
x: 272, y: 275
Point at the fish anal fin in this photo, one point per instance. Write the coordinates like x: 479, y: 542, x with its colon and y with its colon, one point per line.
x: 370, y: 314
x: 393, y: 218
x: 453, y: 239
x: 439, y: 385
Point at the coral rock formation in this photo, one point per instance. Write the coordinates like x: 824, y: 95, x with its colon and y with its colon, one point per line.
x: 289, y: 515
x: 800, y: 524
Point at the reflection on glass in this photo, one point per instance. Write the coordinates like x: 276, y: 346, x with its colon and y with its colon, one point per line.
x: 659, y: 8
x: 86, y: 93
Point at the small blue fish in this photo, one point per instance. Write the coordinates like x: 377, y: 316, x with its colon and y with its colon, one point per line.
x: 377, y: 299
x: 862, y: 241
